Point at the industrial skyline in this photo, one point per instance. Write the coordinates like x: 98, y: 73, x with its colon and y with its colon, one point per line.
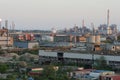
x: 31, y: 14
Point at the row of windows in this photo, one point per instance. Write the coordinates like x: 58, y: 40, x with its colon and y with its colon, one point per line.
x: 74, y: 60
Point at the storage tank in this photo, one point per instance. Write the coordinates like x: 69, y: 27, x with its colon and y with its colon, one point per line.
x: 27, y: 36
x: 32, y: 37
x: 91, y: 39
x: 51, y: 38
x: 21, y: 37
x: 47, y: 38
x: 71, y: 38
x: 97, y: 39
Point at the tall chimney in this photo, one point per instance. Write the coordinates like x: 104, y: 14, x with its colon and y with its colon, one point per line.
x: 83, y: 23
x: 108, y: 17
x: 0, y: 25
x: 6, y: 24
x: 13, y: 26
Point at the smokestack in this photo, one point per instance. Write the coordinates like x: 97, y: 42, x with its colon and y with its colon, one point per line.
x: 83, y: 23
x: 10, y: 27
x: 108, y: 17
x: 6, y: 24
x: 93, y: 29
x: 75, y: 40
x: 0, y: 23
x: 13, y: 26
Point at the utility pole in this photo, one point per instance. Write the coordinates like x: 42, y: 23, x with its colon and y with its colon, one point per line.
x: 93, y: 33
x: 93, y: 58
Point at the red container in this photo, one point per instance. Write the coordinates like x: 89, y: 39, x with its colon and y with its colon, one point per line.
x: 110, y: 77
x: 28, y: 37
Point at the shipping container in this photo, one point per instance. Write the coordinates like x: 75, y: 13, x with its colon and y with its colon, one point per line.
x: 110, y: 77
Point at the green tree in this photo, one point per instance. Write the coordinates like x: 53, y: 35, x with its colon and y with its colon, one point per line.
x: 101, y: 63
x: 11, y: 77
x: 49, y: 73
x: 14, y: 57
x: 22, y: 58
x: 3, y: 68
x: 32, y: 59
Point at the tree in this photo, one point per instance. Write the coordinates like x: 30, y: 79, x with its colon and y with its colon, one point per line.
x: 32, y: 59
x: 118, y: 38
x: 22, y: 64
x: 101, y: 63
x: 49, y: 73
x: 22, y: 58
x: 11, y: 77
x: 14, y: 57
x: 3, y: 68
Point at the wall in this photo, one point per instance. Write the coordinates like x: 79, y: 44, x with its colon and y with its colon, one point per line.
x: 21, y: 44
x: 6, y: 41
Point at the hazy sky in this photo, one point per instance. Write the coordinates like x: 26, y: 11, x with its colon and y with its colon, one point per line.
x: 46, y: 14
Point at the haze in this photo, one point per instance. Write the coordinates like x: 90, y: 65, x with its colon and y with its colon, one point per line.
x: 60, y: 14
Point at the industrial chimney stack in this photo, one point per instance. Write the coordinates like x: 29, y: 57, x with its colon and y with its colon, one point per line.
x: 6, y: 24
x: 108, y: 18
x: 83, y: 23
x: 109, y: 31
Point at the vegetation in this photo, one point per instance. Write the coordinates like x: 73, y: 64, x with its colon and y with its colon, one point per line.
x: 30, y: 51
x: 49, y: 73
x: 11, y: 77
x: 22, y: 64
x: 108, y: 41
x: 3, y: 68
x: 101, y: 64
x: 2, y: 52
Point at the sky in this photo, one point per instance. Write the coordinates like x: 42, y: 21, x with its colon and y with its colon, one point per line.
x: 59, y: 14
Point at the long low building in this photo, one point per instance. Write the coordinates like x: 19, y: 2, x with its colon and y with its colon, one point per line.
x: 81, y: 57
x: 26, y: 44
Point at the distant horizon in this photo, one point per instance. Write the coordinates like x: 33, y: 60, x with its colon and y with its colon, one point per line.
x: 59, y: 14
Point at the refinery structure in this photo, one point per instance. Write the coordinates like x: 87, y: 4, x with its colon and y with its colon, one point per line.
x: 102, y: 40
x: 83, y: 45
x: 77, y: 45
x: 92, y: 37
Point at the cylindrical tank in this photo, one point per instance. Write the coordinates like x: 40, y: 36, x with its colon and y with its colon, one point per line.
x: 32, y: 37
x: 97, y: 39
x: 91, y: 39
x: 21, y: 37
x: 71, y: 38
x: 27, y: 36
x: 51, y: 38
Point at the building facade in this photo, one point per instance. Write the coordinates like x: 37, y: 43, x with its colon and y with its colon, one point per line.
x: 86, y: 58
